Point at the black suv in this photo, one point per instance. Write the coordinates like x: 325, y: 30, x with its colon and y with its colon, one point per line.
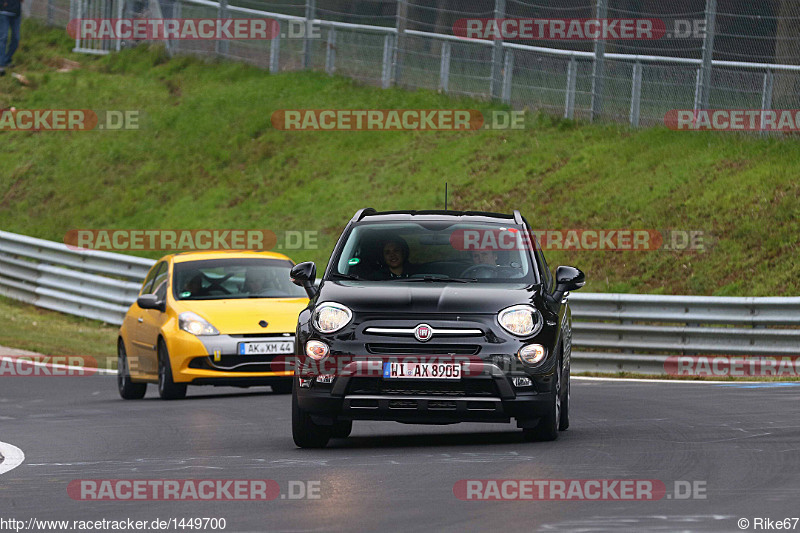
x: 433, y: 317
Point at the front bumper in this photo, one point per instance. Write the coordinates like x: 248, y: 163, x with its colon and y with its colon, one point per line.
x: 215, y: 360
x: 491, y: 397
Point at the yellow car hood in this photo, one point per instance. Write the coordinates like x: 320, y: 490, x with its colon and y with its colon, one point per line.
x: 238, y: 316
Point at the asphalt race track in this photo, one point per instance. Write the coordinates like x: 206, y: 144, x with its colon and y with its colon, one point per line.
x: 741, y: 440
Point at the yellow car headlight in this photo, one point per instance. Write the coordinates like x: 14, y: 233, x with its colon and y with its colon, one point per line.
x: 195, y: 324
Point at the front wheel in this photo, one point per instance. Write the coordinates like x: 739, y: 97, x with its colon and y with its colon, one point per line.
x: 127, y: 388
x: 563, y: 423
x: 167, y: 388
x: 305, y: 432
x: 547, y: 428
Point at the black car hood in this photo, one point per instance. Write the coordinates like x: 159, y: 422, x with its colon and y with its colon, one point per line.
x: 425, y: 297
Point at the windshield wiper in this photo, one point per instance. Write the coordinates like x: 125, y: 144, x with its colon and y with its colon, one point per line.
x: 347, y: 276
x: 431, y: 279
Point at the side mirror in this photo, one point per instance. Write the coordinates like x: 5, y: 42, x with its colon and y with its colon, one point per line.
x: 304, y: 275
x: 150, y: 301
x: 567, y: 279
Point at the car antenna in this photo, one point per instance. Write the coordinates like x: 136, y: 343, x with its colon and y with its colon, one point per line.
x: 445, y: 196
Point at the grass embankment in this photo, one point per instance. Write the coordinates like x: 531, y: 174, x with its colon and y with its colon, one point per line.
x: 207, y: 156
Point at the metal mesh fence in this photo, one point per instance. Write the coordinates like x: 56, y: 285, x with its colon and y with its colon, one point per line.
x: 712, y: 53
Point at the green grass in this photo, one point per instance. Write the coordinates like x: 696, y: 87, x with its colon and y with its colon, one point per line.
x: 51, y: 333
x: 206, y: 156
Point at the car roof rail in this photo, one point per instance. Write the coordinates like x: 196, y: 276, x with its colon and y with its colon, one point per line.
x: 361, y: 213
x: 518, y: 217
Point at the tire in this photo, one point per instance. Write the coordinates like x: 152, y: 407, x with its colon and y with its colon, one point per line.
x: 167, y: 388
x: 547, y: 428
x: 128, y: 390
x: 342, y: 429
x: 283, y: 388
x: 563, y: 423
x: 305, y: 432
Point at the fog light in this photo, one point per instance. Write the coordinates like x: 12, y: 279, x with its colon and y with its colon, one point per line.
x: 304, y: 382
x: 531, y: 353
x: 316, y: 350
x: 522, y: 382
x: 325, y: 378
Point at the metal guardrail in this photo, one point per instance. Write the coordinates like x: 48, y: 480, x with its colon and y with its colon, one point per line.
x: 611, y: 332
x: 639, y: 80
x: 52, y: 275
x: 643, y: 330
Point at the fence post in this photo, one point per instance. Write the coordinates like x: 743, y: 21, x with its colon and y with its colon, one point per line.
x: 569, y: 100
x: 77, y: 6
x: 176, y: 14
x: 222, y: 44
x: 508, y: 72
x: 330, y: 52
x: 311, y: 15
x: 599, y: 66
x: 120, y: 12
x: 703, y: 89
x: 496, y: 87
x: 275, y: 50
x: 388, y: 54
x: 636, y: 94
x: 444, y: 68
x: 766, y: 97
x: 401, y: 22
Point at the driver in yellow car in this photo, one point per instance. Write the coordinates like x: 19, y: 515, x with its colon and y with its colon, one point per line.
x: 255, y: 280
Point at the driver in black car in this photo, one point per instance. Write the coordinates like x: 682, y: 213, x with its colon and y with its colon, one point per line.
x: 394, y: 259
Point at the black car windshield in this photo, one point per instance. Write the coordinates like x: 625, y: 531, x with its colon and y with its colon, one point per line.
x: 435, y: 252
x: 218, y: 279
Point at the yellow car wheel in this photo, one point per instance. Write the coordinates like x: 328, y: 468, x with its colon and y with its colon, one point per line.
x: 167, y: 388
x: 127, y: 388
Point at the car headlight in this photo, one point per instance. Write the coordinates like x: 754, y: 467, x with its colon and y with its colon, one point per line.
x: 195, y: 324
x: 520, y: 320
x: 317, y: 350
x: 532, y: 353
x: 330, y: 317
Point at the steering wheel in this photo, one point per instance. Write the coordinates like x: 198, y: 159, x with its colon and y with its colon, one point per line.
x: 480, y: 271
x: 217, y: 283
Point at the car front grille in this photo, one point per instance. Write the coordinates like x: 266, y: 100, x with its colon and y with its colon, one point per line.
x: 422, y: 349
x: 245, y: 363
x: 465, y: 387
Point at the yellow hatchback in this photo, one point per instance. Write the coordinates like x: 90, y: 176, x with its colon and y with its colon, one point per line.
x: 211, y: 318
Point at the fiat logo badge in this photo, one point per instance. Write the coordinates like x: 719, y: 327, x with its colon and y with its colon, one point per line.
x: 423, y: 332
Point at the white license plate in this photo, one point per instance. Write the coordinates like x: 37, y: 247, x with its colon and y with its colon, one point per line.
x: 266, y: 348
x: 422, y: 370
